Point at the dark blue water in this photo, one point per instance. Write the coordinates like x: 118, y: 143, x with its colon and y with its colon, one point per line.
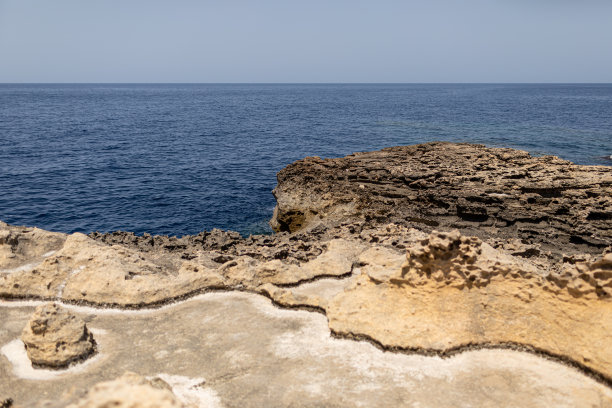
x: 177, y: 159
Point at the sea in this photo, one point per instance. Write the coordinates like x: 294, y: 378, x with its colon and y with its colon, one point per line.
x: 178, y: 159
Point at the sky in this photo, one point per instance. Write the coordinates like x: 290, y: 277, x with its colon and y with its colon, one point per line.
x: 305, y: 41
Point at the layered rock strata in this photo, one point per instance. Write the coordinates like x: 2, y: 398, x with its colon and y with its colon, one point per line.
x: 84, y: 270
x: 495, y: 194
x: 55, y: 338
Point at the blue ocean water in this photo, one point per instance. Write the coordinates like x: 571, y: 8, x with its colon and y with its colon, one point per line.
x: 178, y: 159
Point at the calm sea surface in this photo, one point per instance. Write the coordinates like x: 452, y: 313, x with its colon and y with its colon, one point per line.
x: 178, y: 159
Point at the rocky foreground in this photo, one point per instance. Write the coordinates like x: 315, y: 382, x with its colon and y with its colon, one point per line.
x: 447, y: 275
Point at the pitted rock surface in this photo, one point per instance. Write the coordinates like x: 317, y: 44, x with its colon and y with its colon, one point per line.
x: 55, y: 338
x: 129, y: 391
x: 453, y: 292
x: 491, y: 193
x: 433, y: 249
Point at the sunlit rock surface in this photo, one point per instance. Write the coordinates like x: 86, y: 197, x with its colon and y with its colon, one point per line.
x: 416, y: 260
x: 492, y: 193
x: 55, y: 337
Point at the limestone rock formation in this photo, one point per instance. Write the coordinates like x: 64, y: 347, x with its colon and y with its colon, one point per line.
x: 129, y: 391
x: 55, y: 338
x: 22, y: 248
x: 491, y: 193
x: 84, y: 270
x: 434, y: 249
x: 454, y: 292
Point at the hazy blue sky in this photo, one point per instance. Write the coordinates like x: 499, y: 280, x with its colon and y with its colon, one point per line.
x: 306, y: 41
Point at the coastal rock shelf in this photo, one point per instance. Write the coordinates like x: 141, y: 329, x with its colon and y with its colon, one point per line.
x: 485, y: 192
x: 454, y: 292
x: 432, y: 251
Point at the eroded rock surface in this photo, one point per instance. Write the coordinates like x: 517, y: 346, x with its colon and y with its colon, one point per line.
x: 235, y: 349
x: 22, y: 248
x: 55, y: 337
x: 490, y: 193
x: 85, y: 270
x: 129, y: 391
x: 454, y: 292
x: 435, y: 249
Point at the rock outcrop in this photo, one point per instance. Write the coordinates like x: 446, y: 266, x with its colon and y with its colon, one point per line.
x: 490, y: 193
x: 434, y: 249
x: 22, y: 247
x: 84, y: 270
x: 130, y: 391
x: 55, y: 338
x: 455, y: 292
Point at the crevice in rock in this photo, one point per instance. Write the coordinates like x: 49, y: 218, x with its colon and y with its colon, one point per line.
x: 316, y: 278
x: 596, y: 375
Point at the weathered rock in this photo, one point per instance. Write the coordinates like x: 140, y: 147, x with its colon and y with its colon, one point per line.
x: 252, y: 354
x: 226, y: 245
x: 55, y: 338
x: 455, y: 292
x: 86, y: 270
x: 129, y: 391
x: 490, y: 193
x: 336, y: 261
x: 522, y: 270
x: 22, y: 248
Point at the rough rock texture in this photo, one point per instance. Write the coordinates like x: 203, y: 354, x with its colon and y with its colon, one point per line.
x: 490, y: 193
x: 519, y: 257
x: 23, y: 247
x: 84, y: 270
x: 55, y: 337
x: 129, y: 391
x: 454, y: 292
x: 222, y: 245
x: 237, y: 350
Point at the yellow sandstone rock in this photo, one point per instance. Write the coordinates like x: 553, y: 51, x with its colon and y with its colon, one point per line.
x: 55, y: 338
x: 455, y: 292
x: 129, y: 391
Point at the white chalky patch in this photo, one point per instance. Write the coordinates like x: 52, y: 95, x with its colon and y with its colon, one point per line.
x: 26, y: 267
x: 97, y: 332
x: 314, y: 341
x: 191, y: 391
x: 60, y: 289
x: 21, y: 268
x: 16, y: 354
x: 110, y: 311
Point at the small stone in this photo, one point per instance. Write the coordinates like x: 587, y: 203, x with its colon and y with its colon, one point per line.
x: 55, y: 337
x: 130, y: 390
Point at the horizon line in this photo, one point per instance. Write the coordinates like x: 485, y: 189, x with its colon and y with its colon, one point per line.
x: 305, y: 83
